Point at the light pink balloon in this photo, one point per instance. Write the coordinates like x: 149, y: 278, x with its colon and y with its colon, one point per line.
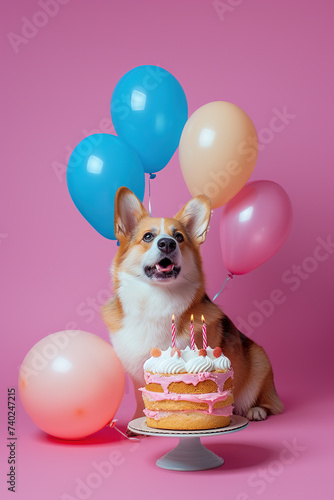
x: 254, y: 225
x: 71, y: 384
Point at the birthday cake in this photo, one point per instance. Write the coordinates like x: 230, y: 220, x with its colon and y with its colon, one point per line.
x: 187, y: 390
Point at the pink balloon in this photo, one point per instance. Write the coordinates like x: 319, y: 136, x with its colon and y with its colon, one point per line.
x: 71, y: 384
x: 254, y: 225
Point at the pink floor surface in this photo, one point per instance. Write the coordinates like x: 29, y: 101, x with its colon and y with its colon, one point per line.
x: 285, y: 457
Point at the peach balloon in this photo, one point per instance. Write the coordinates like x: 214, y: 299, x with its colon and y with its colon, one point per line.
x: 218, y: 151
x: 71, y: 384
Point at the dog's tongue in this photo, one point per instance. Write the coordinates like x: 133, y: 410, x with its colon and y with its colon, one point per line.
x: 166, y: 269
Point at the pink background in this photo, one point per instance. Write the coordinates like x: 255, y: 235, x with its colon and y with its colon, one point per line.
x: 263, y: 56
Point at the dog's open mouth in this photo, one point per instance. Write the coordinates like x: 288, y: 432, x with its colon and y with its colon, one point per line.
x: 162, y: 270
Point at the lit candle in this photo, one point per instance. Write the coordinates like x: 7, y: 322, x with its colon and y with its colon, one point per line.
x: 192, y: 338
x: 205, y: 338
x: 173, y: 331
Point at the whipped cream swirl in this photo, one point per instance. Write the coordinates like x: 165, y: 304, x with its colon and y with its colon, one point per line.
x: 171, y: 364
x: 199, y: 364
x: 221, y: 363
x: 190, y: 362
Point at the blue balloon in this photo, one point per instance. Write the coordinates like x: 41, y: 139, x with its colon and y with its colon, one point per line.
x: 149, y: 110
x: 98, y: 166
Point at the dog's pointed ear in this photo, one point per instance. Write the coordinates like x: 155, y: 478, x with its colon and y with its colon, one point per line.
x: 128, y: 212
x: 195, y: 216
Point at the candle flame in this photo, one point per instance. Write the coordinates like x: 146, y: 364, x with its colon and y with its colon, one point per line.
x: 173, y: 318
x: 203, y: 319
x: 192, y: 318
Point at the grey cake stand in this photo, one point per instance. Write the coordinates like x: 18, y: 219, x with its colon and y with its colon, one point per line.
x: 190, y: 454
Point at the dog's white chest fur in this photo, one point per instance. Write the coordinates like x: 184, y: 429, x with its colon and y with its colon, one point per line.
x: 147, y: 320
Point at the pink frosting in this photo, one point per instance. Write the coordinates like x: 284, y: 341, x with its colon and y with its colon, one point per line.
x: 210, y: 398
x: 157, y: 415
x: 189, y: 378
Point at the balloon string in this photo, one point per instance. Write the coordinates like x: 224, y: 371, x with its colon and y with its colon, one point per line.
x: 151, y: 176
x: 229, y: 277
x: 113, y: 426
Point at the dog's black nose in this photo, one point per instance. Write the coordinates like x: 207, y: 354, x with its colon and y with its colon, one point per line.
x: 167, y: 245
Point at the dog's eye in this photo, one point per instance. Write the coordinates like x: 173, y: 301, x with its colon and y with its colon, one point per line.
x: 179, y: 237
x: 148, y: 237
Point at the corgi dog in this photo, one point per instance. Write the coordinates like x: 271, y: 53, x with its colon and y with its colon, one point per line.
x: 157, y: 272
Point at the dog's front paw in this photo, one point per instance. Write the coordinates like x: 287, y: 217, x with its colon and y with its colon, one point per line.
x: 256, y: 413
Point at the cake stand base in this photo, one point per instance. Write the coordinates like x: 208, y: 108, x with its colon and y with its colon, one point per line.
x: 190, y: 454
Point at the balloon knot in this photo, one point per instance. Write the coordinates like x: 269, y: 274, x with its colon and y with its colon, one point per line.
x: 230, y: 275
x: 113, y: 426
x: 152, y: 176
